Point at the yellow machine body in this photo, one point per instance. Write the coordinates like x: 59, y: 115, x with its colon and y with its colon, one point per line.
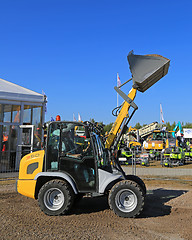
x: 30, y: 165
x: 171, y: 144
x: 134, y: 144
x: 132, y: 138
x: 154, y: 144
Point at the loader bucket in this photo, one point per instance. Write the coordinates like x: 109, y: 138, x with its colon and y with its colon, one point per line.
x: 147, y: 69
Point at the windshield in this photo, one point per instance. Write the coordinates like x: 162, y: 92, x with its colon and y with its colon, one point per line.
x: 102, y: 155
x: 159, y: 135
x: 67, y: 140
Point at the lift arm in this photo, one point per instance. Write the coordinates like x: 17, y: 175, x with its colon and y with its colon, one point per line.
x: 121, y: 118
x: 146, y: 70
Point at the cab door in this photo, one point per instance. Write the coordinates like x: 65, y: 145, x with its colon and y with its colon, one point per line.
x: 69, y: 151
x: 26, y: 139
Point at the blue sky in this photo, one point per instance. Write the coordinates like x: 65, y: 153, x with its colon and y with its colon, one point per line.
x: 73, y: 49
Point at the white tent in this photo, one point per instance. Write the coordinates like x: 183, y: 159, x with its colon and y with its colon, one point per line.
x: 11, y: 91
x: 186, y: 131
x: 22, y: 115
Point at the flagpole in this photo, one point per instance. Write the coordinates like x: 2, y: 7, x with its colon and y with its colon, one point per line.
x: 160, y: 123
x: 118, y: 85
x: 161, y: 115
x: 117, y: 100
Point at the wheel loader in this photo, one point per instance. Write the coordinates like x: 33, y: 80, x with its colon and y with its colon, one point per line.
x: 65, y: 170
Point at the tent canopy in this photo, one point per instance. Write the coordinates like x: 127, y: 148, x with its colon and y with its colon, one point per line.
x: 187, y: 133
x: 14, y: 92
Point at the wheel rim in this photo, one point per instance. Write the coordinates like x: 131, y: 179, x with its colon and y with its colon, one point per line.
x: 54, y: 199
x: 126, y: 200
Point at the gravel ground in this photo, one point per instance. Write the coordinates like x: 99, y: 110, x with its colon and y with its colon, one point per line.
x: 167, y: 215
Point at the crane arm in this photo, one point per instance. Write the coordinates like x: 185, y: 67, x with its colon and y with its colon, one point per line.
x: 178, y: 125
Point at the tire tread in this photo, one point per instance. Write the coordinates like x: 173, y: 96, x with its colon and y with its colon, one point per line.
x: 70, y: 197
x: 131, y: 184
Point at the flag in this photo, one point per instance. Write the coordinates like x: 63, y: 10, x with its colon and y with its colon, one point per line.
x: 74, y: 119
x: 161, y: 114
x: 45, y: 100
x: 79, y: 118
x: 118, y: 80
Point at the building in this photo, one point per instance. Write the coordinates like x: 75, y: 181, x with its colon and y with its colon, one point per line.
x: 22, y: 115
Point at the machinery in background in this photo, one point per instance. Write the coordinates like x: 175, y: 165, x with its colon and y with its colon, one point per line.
x: 132, y: 138
x: 147, y: 130
x: 159, y: 145
x: 178, y: 125
x: 159, y: 142
x: 175, y: 152
x: 156, y: 141
x: 132, y: 145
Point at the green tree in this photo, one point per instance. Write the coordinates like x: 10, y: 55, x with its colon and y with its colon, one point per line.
x: 187, y: 125
x: 168, y: 126
x: 92, y: 120
x: 138, y: 125
x: 108, y: 127
x: 173, y: 126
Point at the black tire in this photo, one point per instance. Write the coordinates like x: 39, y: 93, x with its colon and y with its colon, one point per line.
x: 139, y: 181
x: 56, y: 197
x: 126, y: 199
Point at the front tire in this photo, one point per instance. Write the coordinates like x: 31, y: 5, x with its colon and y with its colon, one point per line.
x: 139, y: 181
x: 126, y: 199
x: 56, y: 197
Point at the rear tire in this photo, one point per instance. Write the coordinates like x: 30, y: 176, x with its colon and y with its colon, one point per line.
x: 56, y: 197
x: 126, y: 199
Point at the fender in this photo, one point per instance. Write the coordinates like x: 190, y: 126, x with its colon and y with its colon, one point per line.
x: 105, y: 178
x: 58, y: 174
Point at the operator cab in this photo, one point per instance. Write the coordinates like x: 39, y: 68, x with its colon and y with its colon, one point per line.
x: 78, y: 152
